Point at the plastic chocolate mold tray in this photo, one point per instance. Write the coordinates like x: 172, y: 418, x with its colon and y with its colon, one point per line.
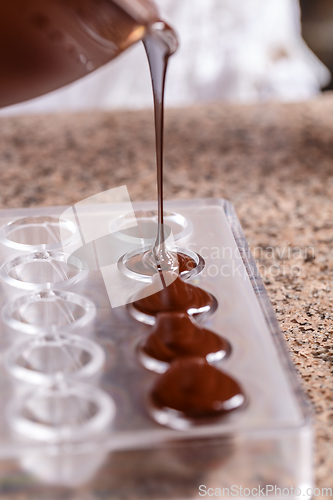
x: 75, y: 416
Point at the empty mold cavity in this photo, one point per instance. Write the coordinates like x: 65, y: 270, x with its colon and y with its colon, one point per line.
x: 35, y: 233
x: 178, y: 224
x: 44, y: 360
x: 40, y: 270
x: 63, y: 413
x: 48, y: 310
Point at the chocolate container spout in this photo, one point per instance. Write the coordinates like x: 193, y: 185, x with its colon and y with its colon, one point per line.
x: 46, y: 44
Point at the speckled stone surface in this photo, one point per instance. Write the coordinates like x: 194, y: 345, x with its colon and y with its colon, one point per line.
x: 273, y: 161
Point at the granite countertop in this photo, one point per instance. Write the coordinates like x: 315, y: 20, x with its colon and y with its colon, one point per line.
x: 273, y: 161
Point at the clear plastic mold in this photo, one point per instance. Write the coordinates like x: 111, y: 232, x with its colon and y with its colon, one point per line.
x: 127, y: 264
x: 60, y: 434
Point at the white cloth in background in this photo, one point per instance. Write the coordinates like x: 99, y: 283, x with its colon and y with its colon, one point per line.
x: 235, y: 50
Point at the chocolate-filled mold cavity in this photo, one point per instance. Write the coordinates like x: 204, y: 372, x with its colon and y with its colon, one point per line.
x: 169, y: 293
x: 193, y: 392
x: 65, y: 412
x: 180, y: 226
x: 177, y: 335
x: 45, y: 360
x: 141, y: 264
x: 37, y: 233
x: 49, y: 310
x: 42, y: 270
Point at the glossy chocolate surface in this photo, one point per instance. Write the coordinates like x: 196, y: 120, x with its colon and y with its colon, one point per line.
x: 176, y: 335
x: 196, y: 389
x: 178, y: 296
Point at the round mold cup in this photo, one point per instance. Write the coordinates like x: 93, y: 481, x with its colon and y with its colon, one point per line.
x: 47, y: 311
x: 127, y: 263
x: 200, y: 315
x: 158, y: 366
x: 47, y: 360
x: 180, y: 228
x: 179, y: 225
x: 40, y: 271
x: 65, y: 413
x: 174, y: 419
x: 43, y: 233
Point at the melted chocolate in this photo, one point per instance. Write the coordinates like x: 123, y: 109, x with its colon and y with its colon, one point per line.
x: 185, y: 263
x: 176, y: 335
x: 160, y: 43
x: 190, y: 386
x: 196, y: 389
x: 178, y: 296
x: 148, y: 266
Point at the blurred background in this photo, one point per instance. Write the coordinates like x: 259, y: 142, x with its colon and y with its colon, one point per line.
x: 243, y: 51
